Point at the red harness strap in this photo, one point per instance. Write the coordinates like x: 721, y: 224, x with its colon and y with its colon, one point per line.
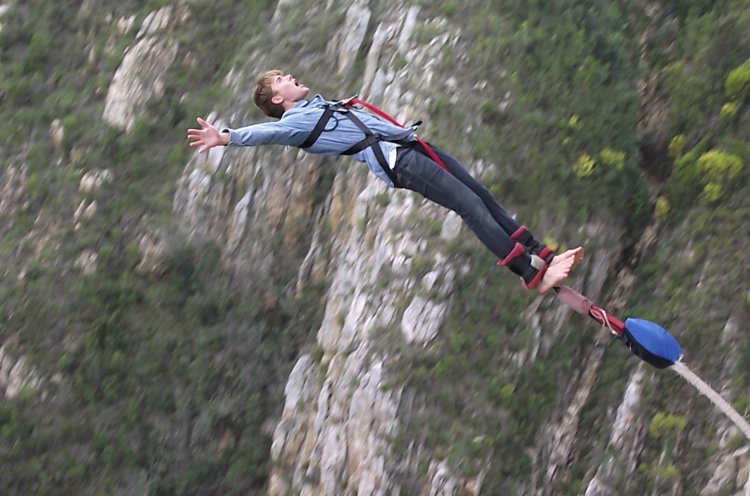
x: 375, y: 110
x: 584, y: 306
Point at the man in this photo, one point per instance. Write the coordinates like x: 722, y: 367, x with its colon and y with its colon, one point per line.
x: 397, y: 157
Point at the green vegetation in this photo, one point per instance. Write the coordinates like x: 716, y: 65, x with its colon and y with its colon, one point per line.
x: 568, y: 140
x: 166, y: 385
x: 665, y: 425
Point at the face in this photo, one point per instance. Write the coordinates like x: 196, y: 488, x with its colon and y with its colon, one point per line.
x: 287, y: 89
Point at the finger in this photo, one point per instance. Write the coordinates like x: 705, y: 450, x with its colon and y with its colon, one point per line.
x: 196, y: 143
x: 203, y: 124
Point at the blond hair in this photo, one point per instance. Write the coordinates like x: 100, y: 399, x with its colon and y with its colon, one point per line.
x: 263, y: 94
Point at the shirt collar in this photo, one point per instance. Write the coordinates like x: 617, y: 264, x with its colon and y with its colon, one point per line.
x: 306, y: 103
x: 317, y: 99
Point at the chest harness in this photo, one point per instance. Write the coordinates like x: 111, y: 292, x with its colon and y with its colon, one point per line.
x: 528, y: 258
x: 371, y: 139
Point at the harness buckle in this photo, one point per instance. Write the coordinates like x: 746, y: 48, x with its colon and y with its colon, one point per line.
x: 347, y: 102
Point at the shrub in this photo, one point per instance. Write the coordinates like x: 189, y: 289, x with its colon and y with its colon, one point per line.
x: 717, y: 168
x: 661, y: 209
x: 737, y: 85
x: 712, y: 171
x: 718, y: 165
x: 661, y: 475
x: 584, y: 166
x: 677, y: 146
x: 666, y: 425
x: 612, y: 158
x: 729, y: 110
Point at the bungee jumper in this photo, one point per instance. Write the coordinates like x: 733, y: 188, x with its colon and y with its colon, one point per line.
x: 400, y: 158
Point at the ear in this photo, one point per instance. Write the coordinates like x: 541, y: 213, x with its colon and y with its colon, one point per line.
x: 276, y: 99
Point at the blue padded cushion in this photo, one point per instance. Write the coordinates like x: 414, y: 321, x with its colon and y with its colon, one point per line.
x: 651, y: 342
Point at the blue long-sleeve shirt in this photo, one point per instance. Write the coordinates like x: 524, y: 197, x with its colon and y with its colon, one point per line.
x: 340, y: 133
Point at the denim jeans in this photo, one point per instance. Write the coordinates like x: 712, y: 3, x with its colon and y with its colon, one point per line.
x: 460, y: 192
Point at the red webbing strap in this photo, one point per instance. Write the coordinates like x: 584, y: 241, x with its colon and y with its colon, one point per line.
x: 376, y: 110
x: 516, y: 252
x: 614, y: 324
x: 584, y: 306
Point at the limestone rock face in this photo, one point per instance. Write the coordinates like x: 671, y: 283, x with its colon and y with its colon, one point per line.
x: 3, y: 9
x: 93, y: 180
x: 140, y: 76
x: 732, y: 471
x: 351, y: 417
x: 57, y: 134
x: 348, y: 424
x: 359, y: 14
x: 243, y: 198
x: 13, y: 186
x: 340, y: 415
x: 15, y: 375
x: 90, y: 185
x: 87, y: 261
x: 153, y: 248
x: 624, y: 440
x: 84, y: 212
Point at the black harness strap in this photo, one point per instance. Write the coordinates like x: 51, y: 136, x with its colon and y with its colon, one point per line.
x: 370, y: 140
x: 319, y: 128
x: 400, y: 138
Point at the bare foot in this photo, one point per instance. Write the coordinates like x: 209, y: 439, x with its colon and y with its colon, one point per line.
x: 559, y: 269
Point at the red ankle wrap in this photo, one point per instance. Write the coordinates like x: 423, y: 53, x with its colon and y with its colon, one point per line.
x: 516, y: 252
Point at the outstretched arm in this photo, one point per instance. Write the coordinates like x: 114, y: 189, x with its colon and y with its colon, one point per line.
x: 207, y: 136
x: 291, y: 131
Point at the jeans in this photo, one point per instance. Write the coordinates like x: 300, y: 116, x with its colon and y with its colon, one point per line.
x: 460, y: 192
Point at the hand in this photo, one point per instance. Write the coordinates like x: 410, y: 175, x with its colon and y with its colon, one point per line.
x: 206, y: 137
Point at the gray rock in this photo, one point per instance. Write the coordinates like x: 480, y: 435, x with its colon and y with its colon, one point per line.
x: 140, y: 76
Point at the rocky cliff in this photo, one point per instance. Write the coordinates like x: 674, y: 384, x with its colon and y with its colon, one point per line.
x: 266, y: 321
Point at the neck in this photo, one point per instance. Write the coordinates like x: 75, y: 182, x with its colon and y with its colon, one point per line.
x: 287, y: 104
